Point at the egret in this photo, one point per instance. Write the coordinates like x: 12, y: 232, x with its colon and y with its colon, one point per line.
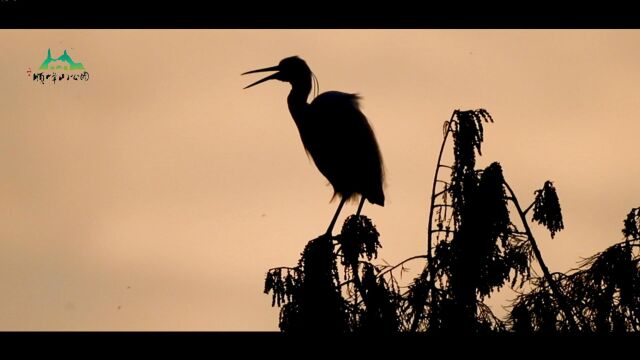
x: 335, y: 133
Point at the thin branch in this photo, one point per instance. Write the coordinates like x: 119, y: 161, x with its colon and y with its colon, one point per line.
x: 528, y: 208
x: 435, y: 181
x: 430, y: 266
x: 442, y: 205
x: 402, y: 263
x: 284, y: 268
x: 441, y: 192
x: 566, y: 309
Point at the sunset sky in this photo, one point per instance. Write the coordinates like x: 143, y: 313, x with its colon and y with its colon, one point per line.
x: 156, y: 195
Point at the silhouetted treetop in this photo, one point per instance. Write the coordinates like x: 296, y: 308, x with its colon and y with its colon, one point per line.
x: 479, y: 240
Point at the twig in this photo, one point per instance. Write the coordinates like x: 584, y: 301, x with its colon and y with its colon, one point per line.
x: 401, y: 263
x: 284, y: 268
x: 528, y: 208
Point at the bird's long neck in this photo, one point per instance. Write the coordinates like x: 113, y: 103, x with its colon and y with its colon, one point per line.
x: 297, y: 99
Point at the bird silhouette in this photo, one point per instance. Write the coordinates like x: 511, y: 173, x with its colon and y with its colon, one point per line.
x: 335, y: 133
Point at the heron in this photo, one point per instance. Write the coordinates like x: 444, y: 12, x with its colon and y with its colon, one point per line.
x: 335, y: 133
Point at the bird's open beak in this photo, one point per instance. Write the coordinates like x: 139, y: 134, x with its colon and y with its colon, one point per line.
x: 270, y: 77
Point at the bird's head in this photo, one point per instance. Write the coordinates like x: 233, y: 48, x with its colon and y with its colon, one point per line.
x: 291, y: 69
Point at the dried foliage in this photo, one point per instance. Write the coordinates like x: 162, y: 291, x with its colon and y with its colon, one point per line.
x: 310, y: 293
x: 630, y: 229
x: 358, y: 237
x: 546, y: 208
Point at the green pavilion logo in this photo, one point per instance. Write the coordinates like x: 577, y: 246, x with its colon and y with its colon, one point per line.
x: 59, y: 69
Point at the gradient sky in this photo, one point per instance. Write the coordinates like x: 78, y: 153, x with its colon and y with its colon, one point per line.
x: 157, y: 194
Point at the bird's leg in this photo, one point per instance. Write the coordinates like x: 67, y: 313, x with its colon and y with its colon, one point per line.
x: 335, y: 217
x: 360, y: 206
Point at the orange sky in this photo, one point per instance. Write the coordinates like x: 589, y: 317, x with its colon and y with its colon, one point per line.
x: 157, y: 194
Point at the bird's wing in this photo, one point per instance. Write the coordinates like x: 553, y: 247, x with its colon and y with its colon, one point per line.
x: 346, y: 144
